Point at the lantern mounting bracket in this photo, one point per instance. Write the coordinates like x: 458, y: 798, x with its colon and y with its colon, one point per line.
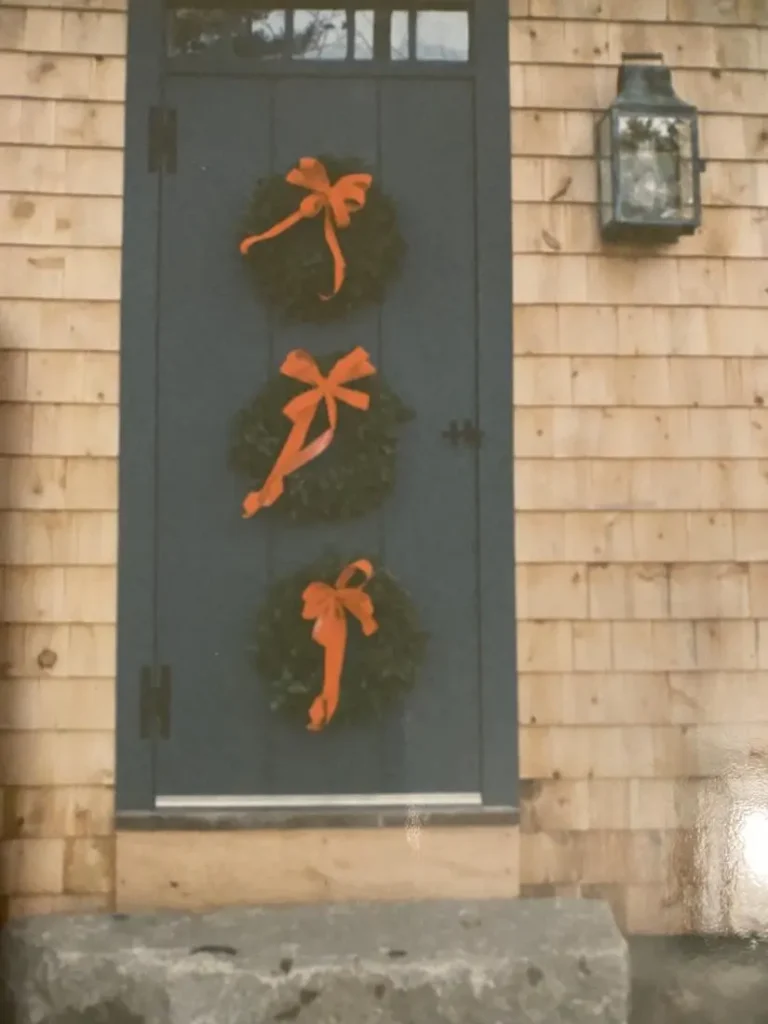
x: 643, y: 56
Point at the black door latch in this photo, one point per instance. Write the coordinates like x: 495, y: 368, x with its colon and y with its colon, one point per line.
x: 466, y: 433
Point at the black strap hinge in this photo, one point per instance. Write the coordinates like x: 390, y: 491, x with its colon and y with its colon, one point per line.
x: 162, y: 131
x: 155, y: 702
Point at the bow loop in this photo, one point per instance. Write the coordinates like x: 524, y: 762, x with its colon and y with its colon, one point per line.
x: 310, y: 174
x: 351, y: 198
x: 352, y: 366
x: 359, y: 604
x: 339, y: 201
x: 361, y: 565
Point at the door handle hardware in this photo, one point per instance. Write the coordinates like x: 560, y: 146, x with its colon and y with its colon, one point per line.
x: 466, y: 433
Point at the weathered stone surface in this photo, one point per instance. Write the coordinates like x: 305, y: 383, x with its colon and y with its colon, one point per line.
x: 693, y: 980
x: 495, y: 962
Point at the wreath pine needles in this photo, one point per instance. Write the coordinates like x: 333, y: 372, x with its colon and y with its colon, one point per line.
x: 379, y: 670
x: 352, y: 478
x: 292, y: 270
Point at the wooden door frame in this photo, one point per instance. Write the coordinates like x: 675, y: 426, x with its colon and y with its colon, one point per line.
x: 136, y: 644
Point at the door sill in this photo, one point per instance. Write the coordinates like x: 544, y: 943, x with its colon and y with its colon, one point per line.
x: 347, y: 817
x: 306, y: 801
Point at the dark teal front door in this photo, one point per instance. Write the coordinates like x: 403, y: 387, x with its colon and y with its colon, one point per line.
x: 441, y: 339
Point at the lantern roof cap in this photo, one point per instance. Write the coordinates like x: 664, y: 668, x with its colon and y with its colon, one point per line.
x: 641, y: 83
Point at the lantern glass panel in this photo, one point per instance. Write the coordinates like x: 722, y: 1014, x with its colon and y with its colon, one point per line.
x: 605, y: 178
x: 655, y: 166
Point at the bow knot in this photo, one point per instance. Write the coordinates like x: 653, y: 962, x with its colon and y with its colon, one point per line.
x: 301, y: 410
x: 346, y: 196
x: 328, y: 606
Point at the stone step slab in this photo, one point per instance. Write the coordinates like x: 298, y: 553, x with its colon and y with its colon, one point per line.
x: 490, y: 962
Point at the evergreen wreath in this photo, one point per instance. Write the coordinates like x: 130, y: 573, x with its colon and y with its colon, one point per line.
x: 379, y: 670
x: 352, y: 478
x: 292, y: 270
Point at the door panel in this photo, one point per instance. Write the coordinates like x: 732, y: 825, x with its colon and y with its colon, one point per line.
x: 429, y: 339
x: 338, y: 117
x: 216, y: 347
x: 212, y: 347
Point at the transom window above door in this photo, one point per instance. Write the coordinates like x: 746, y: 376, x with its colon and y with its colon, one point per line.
x: 249, y: 32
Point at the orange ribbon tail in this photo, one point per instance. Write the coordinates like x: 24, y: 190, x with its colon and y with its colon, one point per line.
x: 301, y: 411
x: 338, y: 202
x: 328, y: 606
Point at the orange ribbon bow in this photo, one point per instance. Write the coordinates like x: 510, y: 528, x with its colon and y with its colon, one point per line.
x: 301, y: 411
x: 339, y: 201
x: 328, y: 606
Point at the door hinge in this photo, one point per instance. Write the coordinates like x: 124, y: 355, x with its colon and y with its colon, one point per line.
x: 161, y: 131
x: 155, y: 702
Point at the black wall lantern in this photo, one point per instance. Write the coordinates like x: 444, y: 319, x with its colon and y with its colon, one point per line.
x: 648, y: 157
